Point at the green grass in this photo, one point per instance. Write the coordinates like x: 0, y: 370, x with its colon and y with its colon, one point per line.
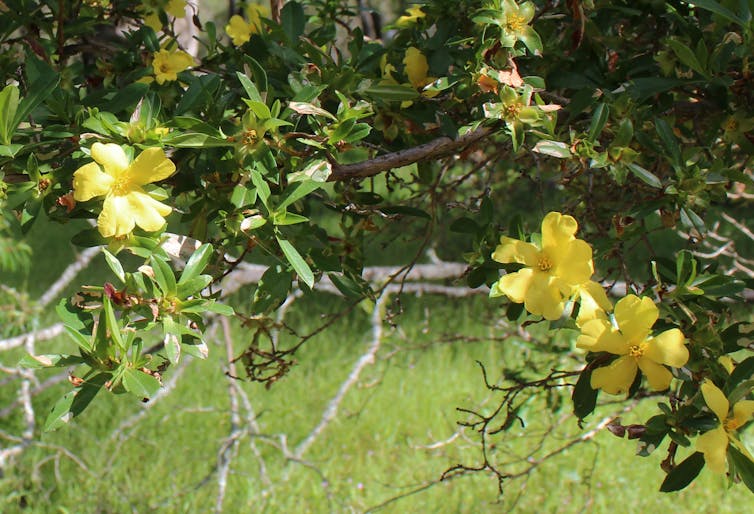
x: 388, y: 442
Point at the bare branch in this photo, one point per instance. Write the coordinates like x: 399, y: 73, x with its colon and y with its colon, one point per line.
x: 434, y: 149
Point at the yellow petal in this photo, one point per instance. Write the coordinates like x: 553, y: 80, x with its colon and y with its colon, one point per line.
x: 617, y: 377
x: 150, y: 166
x: 89, y: 181
x: 176, y: 8
x: 152, y: 20
x: 658, y: 376
x: 714, y: 445
x: 112, y: 158
x: 668, y: 348
x: 146, y: 211
x: 715, y: 400
x: 572, y: 261
x: 238, y: 30
x: 543, y: 297
x: 599, y: 336
x: 513, y: 250
x: 558, y: 230
x: 515, y: 285
x: 116, y: 219
x: 594, y: 303
x: 635, y: 317
x: 742, y: 412
x: 416, y: 67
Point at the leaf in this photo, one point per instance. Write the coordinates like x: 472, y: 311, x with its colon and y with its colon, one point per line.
x: 8, y: 107
x: 293, y: 20
x: 193, y: 286
x: 669, y: 141
x: 194, y: 140
x: 599, y: 118
x: 80, y: 339
x: 684, y: 473
x: 263, y: 190
x: 259, y: 109
x: 163, y: 275
x: 73, y: 403
x: 139, y: 383
x: 297, y: 191
x: 744, y: 466
x: 298, y: 263
x: 553, y: 148
x: 743, y: 371
x: 43, y: 83
x: 584, y: 397
x: 645, y: 176
x: 718, y: 9
x: 391, y: 92
x: 686, y: 56
x: 249, y: 87
x: 113, y: 327
x: 196, y: 263
x: 115, y: 266
x: 307, y: 108
x: 49, y: 361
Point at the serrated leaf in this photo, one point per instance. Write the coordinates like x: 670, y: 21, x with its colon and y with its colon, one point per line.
x: 684, y: 473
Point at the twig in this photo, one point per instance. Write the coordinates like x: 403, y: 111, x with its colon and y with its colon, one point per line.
x: 82, y: 261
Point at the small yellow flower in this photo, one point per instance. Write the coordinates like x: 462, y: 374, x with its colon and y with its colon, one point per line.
x: 714, y: 443
x: 514, y: 21
x: 554, y: 271
x: 593, y: 303
x: 176, y: 8
x: 126, y: 203
x: 638, y: 350
x: 168, y: 63
x: 414, y: 14
x: 238, y: 30
x: 255, y: 13
x: 416, y: 68
x: 152, y: 20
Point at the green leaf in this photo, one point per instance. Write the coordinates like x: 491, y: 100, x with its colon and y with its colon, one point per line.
x: 8, y: 106
x: 390, y: 92
x: 43, y: 83
x: 553, y: 148
x: 684, y: 473
x: 196, y: 263
x: 464, y: 226
x: 686, y: 56
x: 50, y: 361
x: 307, y: 108
x: 625, y: 133
x: 296, y: 191
x: 193, y: 286
x: 743, y: 465
x: 259, y: 109
x: 83, y: 341
x: 405, y: 210
x: 718, y: 9
x: 645, y: 176
x: 113, y: 327
x: 599, y: 118
x: 293, y: 20
x: 73, y: 403
x: 298, y: 263
x: 139, y: 383
x: 257, y: 71
x: 71, y: 316
x: 347, y: 286
x: 115, y: 266
x: 194, y: 140
x: 584, y: 397
x: 163, y: 275
x: 249, y: 87
x: 263, y: 190
x: 669, y: 141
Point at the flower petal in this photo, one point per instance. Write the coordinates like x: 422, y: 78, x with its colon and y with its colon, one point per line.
x: 515, y: 285
x: 594, y: 303
x: 598, y: 335
x: 150, y: 166
x: 526, y: 11
x: 668, y: 348
x: 116, y: 219
x: 89, y: 181
x: 658, y: 376
x: 715, y: 400
x: 543, y: 297
x: 572, y: 261
x: 635, y: 317
x: 714, y: 445
x: 617, y: 377
x: 147, y: 212
x: 557, y: 231
x: 513, y: 250
x: 112, y: 158
x: 742, y: 411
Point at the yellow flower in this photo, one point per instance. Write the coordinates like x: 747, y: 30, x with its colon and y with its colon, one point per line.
x: 415, y: 13
x: 238, y: 30
x: 126, y: 203
x: 176, y: 8
x: 514, y: 21
x: 593, y: 303
x: 255, y: 12
x: 714, y: 443
x: 416, y: 68
x: 631, y: 340
x: 553, y: 271
x: 168, y: 63
x: 152, y: 20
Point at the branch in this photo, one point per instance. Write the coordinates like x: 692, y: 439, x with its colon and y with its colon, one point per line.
x: 432, y: 150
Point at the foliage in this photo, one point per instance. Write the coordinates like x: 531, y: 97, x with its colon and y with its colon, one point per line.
x: 304, y: 143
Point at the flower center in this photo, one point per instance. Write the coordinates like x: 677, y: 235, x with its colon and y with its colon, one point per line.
x: 515, y: 23
x: 731, y: 425
x: 510, y: 111
x: 121, y: 186
x: 637, y: 350
x: 164, y: 68
x: 250, y: 137
x: 544, y: 263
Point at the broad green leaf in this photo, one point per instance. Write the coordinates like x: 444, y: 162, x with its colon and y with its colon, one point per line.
x: 8, y: 106
x: 83, y: 341
x: 263, y: 190
x: 599, y: 118
x: 298, y: 263
x: 73, y: 403
x: 293, y: 20
x: 196, y: 263
x: 583, y: 396
x: 163, y: 275
x: 718, y: 9
x: 297, y: 191
x: 193, y: 285
x: 686, y: 56
x: 43, y: 83
x: 743, y: 465
x: 645, y: 176
x: 259, y: 109
x: 684, y: 473
x: 139, y: 383
x: 249, y: 87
